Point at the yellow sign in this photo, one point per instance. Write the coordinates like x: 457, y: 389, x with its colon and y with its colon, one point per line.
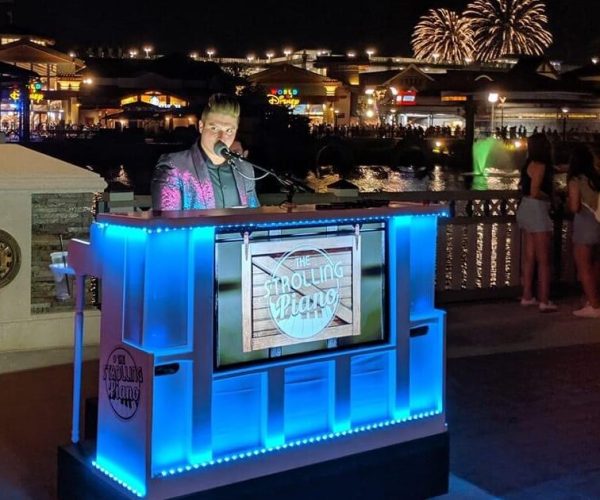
x: 15, y: 95
x: 36, y: 96
x: 454, y: 98
x: 283, y: 100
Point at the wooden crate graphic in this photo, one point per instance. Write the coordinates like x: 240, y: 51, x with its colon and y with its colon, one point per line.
x: 301, y: 290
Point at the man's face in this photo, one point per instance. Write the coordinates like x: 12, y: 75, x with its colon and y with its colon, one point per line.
x: 217, y: 127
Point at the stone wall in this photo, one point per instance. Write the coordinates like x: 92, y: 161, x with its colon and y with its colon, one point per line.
x: 54, y: 214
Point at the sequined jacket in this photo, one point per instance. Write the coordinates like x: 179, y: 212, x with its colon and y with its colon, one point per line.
x: 181, y: 182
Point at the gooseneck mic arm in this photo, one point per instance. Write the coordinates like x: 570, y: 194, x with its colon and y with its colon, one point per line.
x: 290, y: 183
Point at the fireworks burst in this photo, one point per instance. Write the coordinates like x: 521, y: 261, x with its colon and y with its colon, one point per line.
x: 502, y: 27
x: 442, y: 35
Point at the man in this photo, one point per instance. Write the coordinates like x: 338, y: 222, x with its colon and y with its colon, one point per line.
x: 198, y: 178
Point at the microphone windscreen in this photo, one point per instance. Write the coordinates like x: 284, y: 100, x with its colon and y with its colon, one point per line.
x: 221, y: 149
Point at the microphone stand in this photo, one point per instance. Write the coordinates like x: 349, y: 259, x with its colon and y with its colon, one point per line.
x: 291, y: 184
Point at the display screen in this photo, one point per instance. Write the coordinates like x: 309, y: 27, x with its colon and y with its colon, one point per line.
x: 289, y: 292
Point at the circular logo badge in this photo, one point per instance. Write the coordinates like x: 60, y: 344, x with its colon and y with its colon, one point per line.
x: 10, y: 258
x: 123, y: 381
x: 304, y: 292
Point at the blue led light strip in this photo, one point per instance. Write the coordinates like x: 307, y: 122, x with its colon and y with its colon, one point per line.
x: 278, y: 224
x: 117, y: 480
x: 296, y: 443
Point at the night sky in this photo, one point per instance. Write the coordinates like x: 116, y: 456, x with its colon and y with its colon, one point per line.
x: 237, y: 28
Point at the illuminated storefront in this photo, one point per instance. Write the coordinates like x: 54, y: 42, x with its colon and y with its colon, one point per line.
x: 53, y: 91
x: 305, y: 93
x: 155, y: 98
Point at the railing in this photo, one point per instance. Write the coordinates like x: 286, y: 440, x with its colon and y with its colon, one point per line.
x: 478, y: 247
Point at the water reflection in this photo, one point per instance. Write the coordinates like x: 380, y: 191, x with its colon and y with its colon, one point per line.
x: 379, y: 178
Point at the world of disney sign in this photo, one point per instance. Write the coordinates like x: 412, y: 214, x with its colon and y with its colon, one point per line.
x: 284, y: 97
x: 300, y: 291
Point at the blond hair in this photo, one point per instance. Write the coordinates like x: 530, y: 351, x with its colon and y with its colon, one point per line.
x: 223, y: 104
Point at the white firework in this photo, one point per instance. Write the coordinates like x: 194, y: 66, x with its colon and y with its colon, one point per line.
x: 505, y: 27
x: 441, y: 35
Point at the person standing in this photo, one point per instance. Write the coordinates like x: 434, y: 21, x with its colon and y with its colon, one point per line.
x: 583, y: 183
x: 198, y: 178
x: 534, y: 220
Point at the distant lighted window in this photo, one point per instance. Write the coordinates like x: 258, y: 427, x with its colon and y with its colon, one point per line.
x: 129, y: 100
x: 156, y: 99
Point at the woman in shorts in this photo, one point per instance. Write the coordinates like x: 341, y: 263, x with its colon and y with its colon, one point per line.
x: 583, y: 182
x: 534, y: 220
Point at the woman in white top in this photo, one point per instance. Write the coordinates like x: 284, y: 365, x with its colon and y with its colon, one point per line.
x: 583, y: 181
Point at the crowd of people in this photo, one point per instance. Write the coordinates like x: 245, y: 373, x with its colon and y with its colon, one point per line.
x: 533, y: 217
x: 416, y: 131
x: 386, y: 131
x: 575, y: 134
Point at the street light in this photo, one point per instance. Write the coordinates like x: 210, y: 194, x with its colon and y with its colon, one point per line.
x: 351, y: 54
x: 565, y: 115
x: 194, y: 55
x: 370, y: 52
x: 147, y: 49
x: 287, y: 52
x: 492, y: 99
x: 269, y: 56
x: 210, y: 53
x: 250, y: 57
x: 133, y: 53
x: 501, y: 105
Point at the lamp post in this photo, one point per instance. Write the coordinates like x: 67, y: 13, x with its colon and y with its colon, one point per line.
x: 147, y: 49
x: 501, y: 105
x: 565, y: 114
x: 269, y: 54
x: 492, y: 99
x: 210, y: 53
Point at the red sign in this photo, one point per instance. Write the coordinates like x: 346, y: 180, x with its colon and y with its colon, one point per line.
x: 406, y: 98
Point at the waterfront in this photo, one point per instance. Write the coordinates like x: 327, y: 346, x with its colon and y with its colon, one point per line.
x: 380, y: 178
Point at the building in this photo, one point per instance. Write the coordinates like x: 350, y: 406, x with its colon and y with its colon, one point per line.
x: 160, y: 93
x: 320, y: 98
x: 53, y: 92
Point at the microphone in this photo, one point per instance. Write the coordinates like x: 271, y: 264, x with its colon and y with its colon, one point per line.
x: 223, y: 151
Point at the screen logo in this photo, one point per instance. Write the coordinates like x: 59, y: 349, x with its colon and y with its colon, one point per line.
x: 300, y: 291
x: 303, y: 302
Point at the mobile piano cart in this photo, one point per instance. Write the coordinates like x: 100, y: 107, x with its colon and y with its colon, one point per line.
x: 263, y: 351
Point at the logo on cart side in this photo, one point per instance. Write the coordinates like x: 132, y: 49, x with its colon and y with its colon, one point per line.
x: 123, y: 382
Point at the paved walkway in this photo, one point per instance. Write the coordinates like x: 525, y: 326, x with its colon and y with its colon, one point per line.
x: 523, y: 406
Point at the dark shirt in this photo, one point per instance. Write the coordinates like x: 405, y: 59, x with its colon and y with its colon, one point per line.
x: 546, y: 186
x: 224, y: 186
